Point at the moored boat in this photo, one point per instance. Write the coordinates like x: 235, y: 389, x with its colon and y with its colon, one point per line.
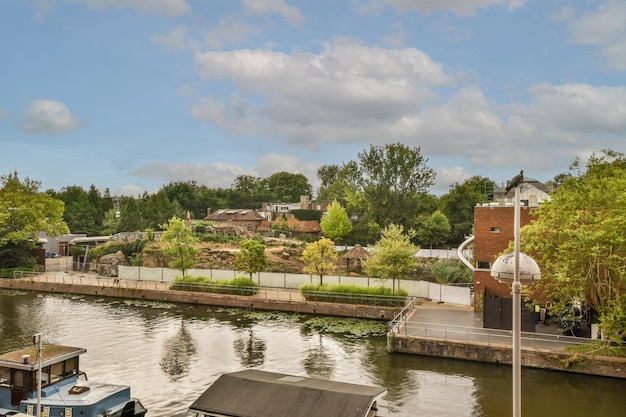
x: 60, y: 389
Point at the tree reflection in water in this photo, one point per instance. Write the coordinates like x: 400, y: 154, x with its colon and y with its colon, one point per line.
x: 250, y: 351
x: 317, y: 362
x: 177, y: 353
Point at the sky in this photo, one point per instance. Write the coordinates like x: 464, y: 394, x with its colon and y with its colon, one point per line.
x: 132, y: 95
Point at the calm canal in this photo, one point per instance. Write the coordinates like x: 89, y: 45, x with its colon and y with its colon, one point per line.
x: 170, y: 354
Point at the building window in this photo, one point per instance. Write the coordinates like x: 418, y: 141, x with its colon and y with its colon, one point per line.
x: 482, y: 265
x: 495, y: 230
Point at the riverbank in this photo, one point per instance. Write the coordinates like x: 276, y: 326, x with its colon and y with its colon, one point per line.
x: 271, y: 299
x: 418, y: 342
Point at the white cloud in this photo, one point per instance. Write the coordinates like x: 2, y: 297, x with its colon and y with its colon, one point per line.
x: 3, y: 114
x: 290, y: 13
x: 606, y: 28
x: 174, y: 40
x: 340, y: 94
x: 221, y: 175
x: 48, y: 116
x: 458, y: 7
x: 165, y: 8
x: 231, y: 30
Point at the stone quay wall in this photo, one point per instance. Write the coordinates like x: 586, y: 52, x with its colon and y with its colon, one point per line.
x: 532, y: 358
x: 188, y: 297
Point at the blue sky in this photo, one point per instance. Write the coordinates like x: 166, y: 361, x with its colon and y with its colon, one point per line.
x: 133, y: 94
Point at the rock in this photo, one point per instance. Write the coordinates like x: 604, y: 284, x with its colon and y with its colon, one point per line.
x: 107, y: 264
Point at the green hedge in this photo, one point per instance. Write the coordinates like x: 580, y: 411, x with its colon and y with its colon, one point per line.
x: 354, y: 294
x: 235, y: 286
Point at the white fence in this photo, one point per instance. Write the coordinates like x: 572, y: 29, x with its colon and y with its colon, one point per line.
x: 422, y: 289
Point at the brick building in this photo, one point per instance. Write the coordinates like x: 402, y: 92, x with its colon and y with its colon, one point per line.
x: 493, y: 232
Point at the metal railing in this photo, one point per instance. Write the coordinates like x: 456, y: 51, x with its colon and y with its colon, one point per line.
x: 491, y: 337
x: 400, y: 319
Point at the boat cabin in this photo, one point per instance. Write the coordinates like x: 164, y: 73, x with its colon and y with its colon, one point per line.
x: 63, y: 393
x: 253, y: 393
x: 19, y: 371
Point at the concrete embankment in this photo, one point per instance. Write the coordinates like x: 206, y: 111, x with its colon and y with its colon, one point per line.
x: 259, y: 301
x: 491, y: 353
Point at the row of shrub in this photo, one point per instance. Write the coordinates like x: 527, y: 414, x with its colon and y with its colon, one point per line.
x: 235, y: 286
x: 355, y: 294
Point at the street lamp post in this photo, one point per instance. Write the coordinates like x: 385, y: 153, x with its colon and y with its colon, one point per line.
x: 527, y: 272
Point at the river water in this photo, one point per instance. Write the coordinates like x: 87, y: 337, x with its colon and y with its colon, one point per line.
x: 170, y: 354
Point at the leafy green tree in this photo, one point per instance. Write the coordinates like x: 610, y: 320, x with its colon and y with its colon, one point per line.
x: 320, y: 258
x: 578, y: 239
x: 83, y: 210
x: 251, y: 258
x: 180, y: 244
x: 24, y: 213
x: 286, y: 187
x: 336, y: 223
x: 458, y: 206
x: 111, y: 224
x: 131, y: 219
x: 393, y: 256
x: 434, y: 230
x: 157, y: 209
x: 391, y: 176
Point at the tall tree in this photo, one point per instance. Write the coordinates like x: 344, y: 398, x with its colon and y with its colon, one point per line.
x: 251, y: 258
x: 579, y: 241
x: 25, y: 212
x: 320, y: 258
x: 390, y: 178
x: 336, y: 223
x: 434, y: 230
x: 286, y: 187
x: 458, y: 206
x: 180, y: 244
x: 393, y: 256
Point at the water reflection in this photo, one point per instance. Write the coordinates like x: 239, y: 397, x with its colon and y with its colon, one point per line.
x: 250, y: 350
x: 177, y: 353
x: 171, y: 353
x: 317, y: 362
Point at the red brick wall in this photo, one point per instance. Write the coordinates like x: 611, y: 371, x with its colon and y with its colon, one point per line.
x: 489, y: 244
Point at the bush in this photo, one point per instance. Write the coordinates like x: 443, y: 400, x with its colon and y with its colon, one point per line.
x: 354, y: 294
x: 236, y: 286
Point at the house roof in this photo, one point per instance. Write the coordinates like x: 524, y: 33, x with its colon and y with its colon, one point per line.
x: 305, y: 226
x: 234, y: 215
x: 253, y: 393
x: 357, y: 252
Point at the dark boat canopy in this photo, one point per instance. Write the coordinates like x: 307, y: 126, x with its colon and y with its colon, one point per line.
x: 253, y: 393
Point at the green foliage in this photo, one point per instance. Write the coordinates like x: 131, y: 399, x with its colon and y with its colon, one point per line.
x: 348, y: 327
x: 16, y: 256
x: 579, y: 242
x: 251, y: 257
x: 354, y: 294
x: 307, y: 215
x: 180, y: 244
x: 285, y: 186
x: 458, y: 206
x: 434, y: 230
x: 320, y: 258
x: 336, y: 223
x: 450, y: 271
x: 393, y: 256
x: 236, y: 286
x: 25, y: 212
